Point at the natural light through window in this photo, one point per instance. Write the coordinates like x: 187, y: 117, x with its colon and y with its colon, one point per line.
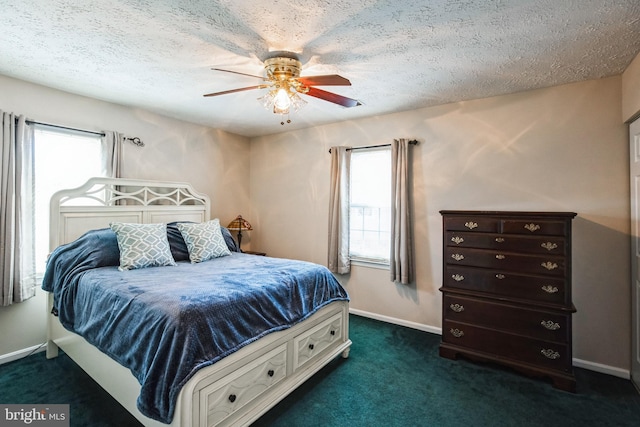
x: 62, y: 160
x: 370, y: 205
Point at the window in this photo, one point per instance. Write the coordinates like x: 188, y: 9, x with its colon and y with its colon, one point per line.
x: 62, y: 159
x: 370, y: 205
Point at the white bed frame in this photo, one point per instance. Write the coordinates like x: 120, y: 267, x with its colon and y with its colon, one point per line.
x: 234, y: 391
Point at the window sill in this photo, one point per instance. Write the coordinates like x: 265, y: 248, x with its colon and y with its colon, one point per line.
x: 370, y: 264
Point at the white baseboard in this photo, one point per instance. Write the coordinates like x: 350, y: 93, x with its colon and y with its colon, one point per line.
x: 603, y: 369
x: 578, y: 363
x: 395, y: 321
x: 10, y: 357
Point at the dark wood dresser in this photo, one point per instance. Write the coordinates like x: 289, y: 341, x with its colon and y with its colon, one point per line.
x: 506, y: 294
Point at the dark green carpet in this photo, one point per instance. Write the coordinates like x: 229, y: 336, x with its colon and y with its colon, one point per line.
x: 393, y: 377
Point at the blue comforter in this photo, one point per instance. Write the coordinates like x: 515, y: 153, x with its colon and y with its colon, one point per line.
x: 165, y: 323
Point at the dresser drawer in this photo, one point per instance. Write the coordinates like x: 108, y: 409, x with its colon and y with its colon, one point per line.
x: 309, y: 345
x: 499, y: 283
x: 512, y: 243
x: 472, y: 223
x: 225, y: 397
x: 509, y: 261
x: 505, y: 345
x: 534, y: 227
x: 540, y: 324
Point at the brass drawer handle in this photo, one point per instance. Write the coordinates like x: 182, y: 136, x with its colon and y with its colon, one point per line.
x: 532, y: 227
x: 550, y: 354
x: 456, y: 332
x: 549, y: 265
x: 457, y: 257
x: 457, y: 308
x: 471, y: 225
x: 550, y: 325
x: 500, y: 256
x: 457, y: 240
x: 500, y: 276
x: 457, y: 277
x: 549, y: 246
x: 550, y: 289
x: 500, y: 239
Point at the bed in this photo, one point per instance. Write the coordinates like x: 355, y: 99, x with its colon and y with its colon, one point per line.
x: 186, y: 373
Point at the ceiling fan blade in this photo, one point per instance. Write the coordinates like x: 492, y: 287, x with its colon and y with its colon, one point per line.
x: 238, y: 72
x: 333, y: 97
x: 236, y: 90
x: 328, y: 80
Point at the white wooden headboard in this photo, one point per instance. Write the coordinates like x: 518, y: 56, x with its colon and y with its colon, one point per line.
x: 103, y: 200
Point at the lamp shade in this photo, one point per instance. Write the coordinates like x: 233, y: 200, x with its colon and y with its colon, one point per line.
x: 239, y: 224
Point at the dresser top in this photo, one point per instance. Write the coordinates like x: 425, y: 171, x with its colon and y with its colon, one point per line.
x: 518, y: 214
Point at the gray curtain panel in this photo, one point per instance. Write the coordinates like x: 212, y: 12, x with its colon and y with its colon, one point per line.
x: 339, y: 211
x: 112, y: 154
x: 17, y: 223
x: 402, y: 256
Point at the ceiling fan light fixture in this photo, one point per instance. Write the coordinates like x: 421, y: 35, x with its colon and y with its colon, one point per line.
x: 296, y: 101
x: 284, y: 84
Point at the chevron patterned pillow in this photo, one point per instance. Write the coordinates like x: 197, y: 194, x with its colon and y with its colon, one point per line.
x: 204, y: 241
x: 142, y: 245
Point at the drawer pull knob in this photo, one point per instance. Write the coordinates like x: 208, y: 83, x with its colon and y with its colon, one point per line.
x: 471, y: 225
x: 532, y: 227
x: 270, y: 373
x: 232, y: 398
x: 332, y: 332
x: 500, y: 239
x: 457, y: 257
x: 457, y: 240
x: 550, y: 325
x: 550, y: 354
x: 457, y: 308
x: 500, y: 276
x: 500, y: 256
x: 549, y: 246
x: 310, y: 346
x: 457, y: 277
x: 550, y: 289
x: 456, y: 333
x: 549, y: 265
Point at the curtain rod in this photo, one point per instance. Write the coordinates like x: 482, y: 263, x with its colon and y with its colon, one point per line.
x: 135, y: 140
x: 33, y: 122
x: 412, y: 142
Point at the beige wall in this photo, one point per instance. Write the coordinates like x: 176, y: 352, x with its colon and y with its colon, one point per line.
x: 556, y: 149
x: 214, y: 162
x: 562, y: 148
x: 631, y: 90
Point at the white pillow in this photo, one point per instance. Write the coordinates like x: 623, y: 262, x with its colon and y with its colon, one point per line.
x: 204, y: 241
x: 142, y: 245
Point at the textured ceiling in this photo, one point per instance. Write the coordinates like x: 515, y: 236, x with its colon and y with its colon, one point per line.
x: 399, y: 55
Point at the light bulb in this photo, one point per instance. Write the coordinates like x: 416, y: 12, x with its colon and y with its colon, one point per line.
x: 282, y: 101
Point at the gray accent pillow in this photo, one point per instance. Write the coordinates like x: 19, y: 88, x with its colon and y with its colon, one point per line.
x: 204, y: 240
x: 142, y: 245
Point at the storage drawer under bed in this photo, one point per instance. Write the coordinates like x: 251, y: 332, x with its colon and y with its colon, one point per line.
x: 222, y: 399
x: 310, y: 344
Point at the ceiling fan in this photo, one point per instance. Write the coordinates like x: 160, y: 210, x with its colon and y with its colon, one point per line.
x: 284, y: 82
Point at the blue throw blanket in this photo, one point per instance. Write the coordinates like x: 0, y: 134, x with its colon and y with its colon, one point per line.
x: 165, y: 323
